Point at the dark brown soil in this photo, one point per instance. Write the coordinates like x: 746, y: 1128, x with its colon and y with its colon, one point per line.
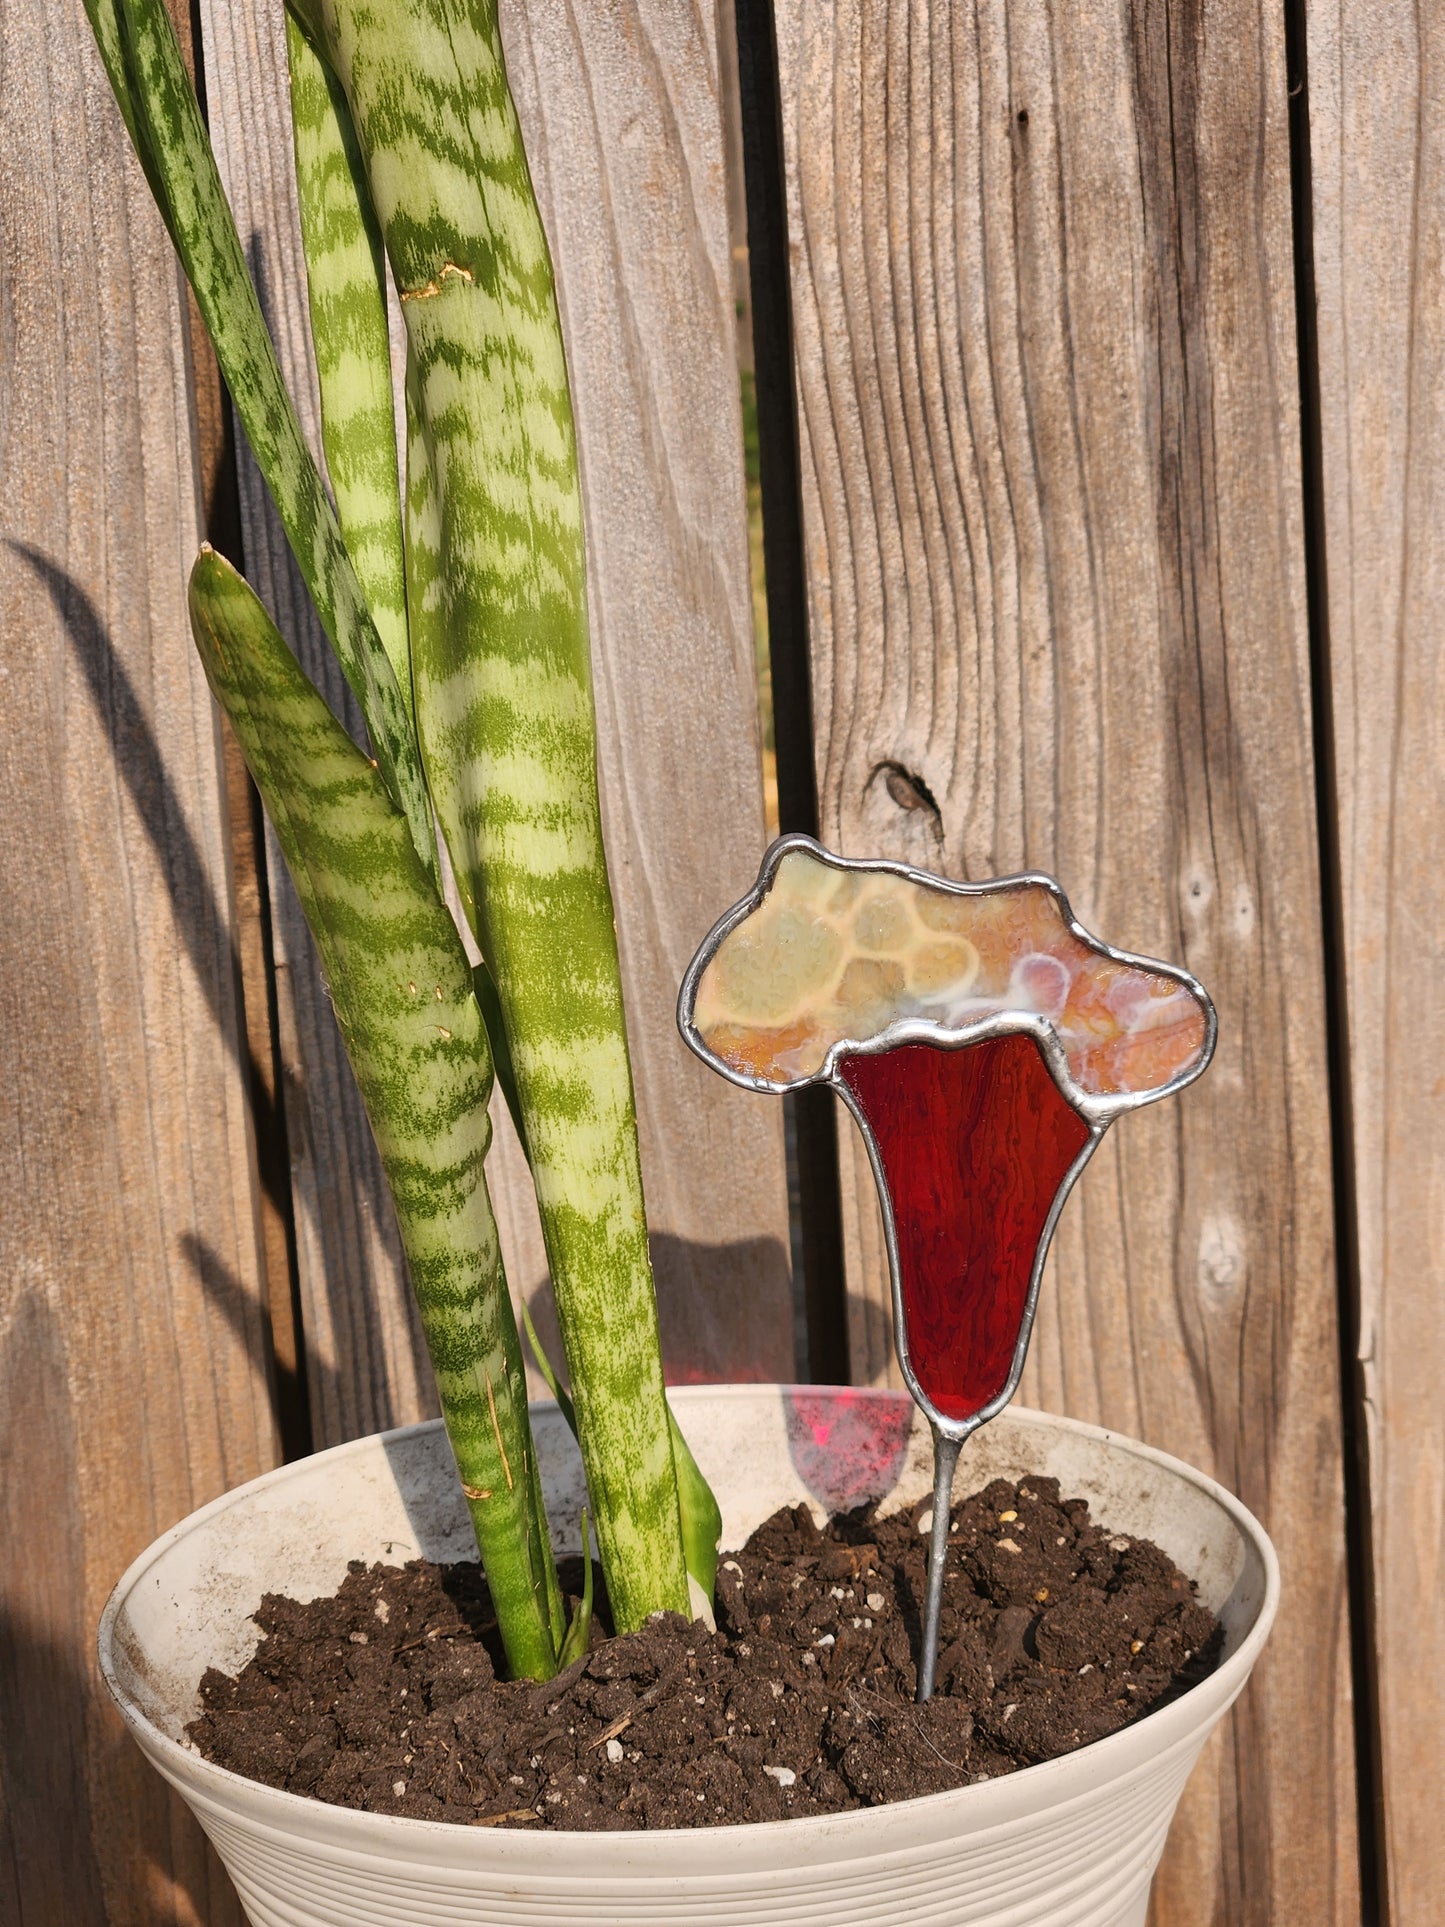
x: 1055, y: 1632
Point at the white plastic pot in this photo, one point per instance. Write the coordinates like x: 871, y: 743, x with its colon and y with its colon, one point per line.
x: 1072, y: 1843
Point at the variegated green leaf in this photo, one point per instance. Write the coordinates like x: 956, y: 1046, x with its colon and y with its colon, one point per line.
x: 345, y: 288
x: 701, y: 1514
x: 402, y: 991
x: 143, y: 58
x: 491, y: 1003
x: 579, y: 1633
x: 502, y: 681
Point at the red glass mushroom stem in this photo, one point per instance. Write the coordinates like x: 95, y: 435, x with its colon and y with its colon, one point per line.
x: 974, y: 1147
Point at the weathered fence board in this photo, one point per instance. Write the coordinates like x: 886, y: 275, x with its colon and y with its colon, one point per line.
x: 620, y: 105
x: 133, y: 1342
x: 1377, y: 122
x: 1045, y: 339
x: 638, y: 220
x: 365, y: 1362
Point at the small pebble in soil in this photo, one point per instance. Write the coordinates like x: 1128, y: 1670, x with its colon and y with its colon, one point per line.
x: 386, y: 1696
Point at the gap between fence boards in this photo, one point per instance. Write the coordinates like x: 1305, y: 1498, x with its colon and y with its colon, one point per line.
x: 815, y: 1115
x: 1359, y: 1536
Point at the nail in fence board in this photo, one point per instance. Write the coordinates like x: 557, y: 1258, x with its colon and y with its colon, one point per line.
x: 637, y: 215
x: 1045, y: 343
x: 1377, y: 136
x: 133, y: 1345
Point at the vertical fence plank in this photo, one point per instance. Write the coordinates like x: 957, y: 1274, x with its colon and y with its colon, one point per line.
x: 365, y: 1360
x: 1044, y: 318
x: 133, y: 1342
x: 621, y: 112
x: 1377, y: 137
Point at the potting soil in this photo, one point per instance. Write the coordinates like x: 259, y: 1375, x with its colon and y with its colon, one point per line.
x: 1055, y: 1632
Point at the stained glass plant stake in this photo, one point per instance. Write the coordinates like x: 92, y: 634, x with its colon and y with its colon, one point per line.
x: 984, y: 1042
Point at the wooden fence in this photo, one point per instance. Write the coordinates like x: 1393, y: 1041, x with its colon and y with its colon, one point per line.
x: 1101, y: 399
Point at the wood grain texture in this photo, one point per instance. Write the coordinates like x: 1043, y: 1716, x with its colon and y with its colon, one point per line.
x: 622, y: 115
x: 637, y: 216
x: 366, y: 1362
x: 1377, y: 137
x: 215, y: 460
x: 215, y: 453
x: 1045, y: 344
x: 133, y: 1339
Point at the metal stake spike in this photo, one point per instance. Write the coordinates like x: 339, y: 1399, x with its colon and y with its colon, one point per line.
x: 945, y: 1462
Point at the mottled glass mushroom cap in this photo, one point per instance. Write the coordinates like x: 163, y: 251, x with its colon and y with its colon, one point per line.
x: 826, y: 957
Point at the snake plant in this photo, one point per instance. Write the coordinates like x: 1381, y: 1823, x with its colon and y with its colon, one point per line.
x: 457, y: 609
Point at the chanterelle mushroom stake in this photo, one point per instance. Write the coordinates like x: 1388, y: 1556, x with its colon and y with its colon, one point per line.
x: 984, y: 1041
